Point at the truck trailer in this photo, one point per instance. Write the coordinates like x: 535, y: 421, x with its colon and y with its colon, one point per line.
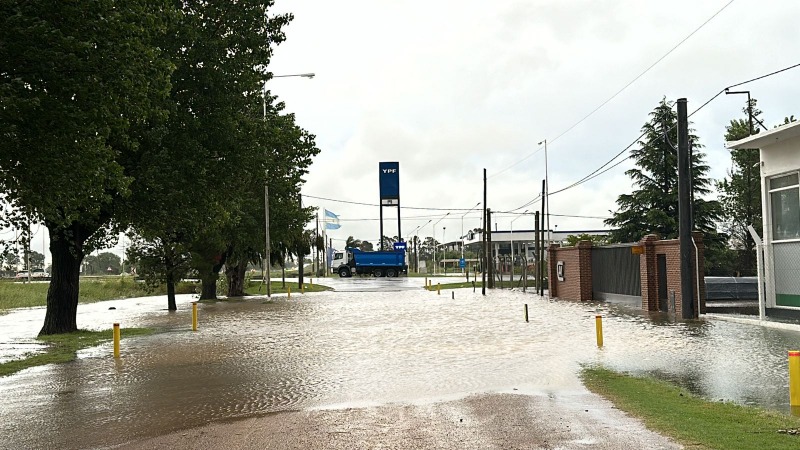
x: 380, y: 264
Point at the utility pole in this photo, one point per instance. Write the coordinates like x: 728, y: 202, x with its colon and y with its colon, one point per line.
x: 544, y: 243
x: 537, y: 246
x: 490, y: 256
x: 684, y: 213
x: 300, y: 255
x: 316, y: 247
x: 485, y: 231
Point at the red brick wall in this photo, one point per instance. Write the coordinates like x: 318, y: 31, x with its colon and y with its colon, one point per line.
x: 577, y: 284
x: 649, y: 271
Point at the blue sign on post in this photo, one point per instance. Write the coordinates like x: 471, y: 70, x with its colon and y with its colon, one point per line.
x: 400, y: 246
x: 389, y: 175
x: 462, y: 263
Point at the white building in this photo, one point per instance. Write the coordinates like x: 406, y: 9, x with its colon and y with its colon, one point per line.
x: 523, y: 241
x: 780, y: 197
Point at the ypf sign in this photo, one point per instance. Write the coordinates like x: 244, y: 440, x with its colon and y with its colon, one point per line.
x: 389, y: 177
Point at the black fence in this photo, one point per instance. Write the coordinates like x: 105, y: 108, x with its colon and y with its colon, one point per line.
x: 731, y: 288
x: 615, y: 272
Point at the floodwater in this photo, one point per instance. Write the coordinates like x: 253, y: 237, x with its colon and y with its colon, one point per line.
x: 372, y: 342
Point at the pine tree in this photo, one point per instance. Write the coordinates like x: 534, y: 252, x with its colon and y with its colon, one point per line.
x: 652, y: 207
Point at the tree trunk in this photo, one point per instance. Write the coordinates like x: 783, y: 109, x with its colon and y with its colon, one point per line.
x: 171, y: 304
x: 66, y: 247
x: 209, y: 280
x: 169, y: 265
x: 235, y: 275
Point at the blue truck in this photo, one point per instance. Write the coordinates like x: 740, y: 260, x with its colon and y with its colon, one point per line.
x: 380, y: 264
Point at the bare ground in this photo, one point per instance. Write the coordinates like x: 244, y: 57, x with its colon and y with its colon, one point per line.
x: 488, y: 421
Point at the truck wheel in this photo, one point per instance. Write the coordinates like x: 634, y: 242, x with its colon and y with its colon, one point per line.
x: 344, y: 272
x: 391, y: 273
x: 377, y: 273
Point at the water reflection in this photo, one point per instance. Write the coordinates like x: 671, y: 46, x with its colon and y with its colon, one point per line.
x: 379, y: 341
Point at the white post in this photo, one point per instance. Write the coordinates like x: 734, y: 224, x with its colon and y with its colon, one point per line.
x: 760, y: 269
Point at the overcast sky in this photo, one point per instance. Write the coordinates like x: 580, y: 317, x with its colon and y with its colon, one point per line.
x: 449, y: 88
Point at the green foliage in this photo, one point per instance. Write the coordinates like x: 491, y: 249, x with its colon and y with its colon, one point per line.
x: 740, y: 195
x: 26, y: 295
x: 77, y: 80
x: 101, y: 263
x: 691, y: 420
x: 63, y: 348
x: 652, y: 207
x: 573, y: 239
x: 359, y: 244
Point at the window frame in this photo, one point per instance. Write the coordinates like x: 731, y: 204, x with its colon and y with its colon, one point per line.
x: 771, y: 206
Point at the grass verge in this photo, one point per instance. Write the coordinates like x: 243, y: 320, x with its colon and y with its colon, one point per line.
x: 690, y: 420
x: 258, y: 288
x: 26, y: 295
x: 63, y: 348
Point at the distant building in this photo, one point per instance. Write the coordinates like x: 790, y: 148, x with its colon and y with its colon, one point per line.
x: 524, y: 241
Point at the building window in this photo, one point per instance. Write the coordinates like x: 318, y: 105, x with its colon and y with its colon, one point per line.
x: 784, y: 196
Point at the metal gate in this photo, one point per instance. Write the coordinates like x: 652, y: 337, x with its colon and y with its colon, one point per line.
x: 616, y: 274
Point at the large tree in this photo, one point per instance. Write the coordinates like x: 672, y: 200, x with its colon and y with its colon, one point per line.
x: 740, y: 191
x: 223, y: 136
x: 652, y: 206
x: 76, y: 78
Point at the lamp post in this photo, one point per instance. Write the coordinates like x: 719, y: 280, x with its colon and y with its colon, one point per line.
x: 462, y: 232
x: 267, y: 259
x: 444, y: 249
x: 434, y: 241
x: 512, y: 244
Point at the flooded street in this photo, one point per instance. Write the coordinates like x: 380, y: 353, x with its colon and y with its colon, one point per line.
x: 371, y: 342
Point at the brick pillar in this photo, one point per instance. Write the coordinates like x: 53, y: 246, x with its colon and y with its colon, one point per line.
x: 552, y: 274
x: 585, y: 268
x: 649, y: 273
x: 701, y: 263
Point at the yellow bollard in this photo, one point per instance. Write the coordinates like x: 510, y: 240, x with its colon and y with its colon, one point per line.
x: 794, y: 378
x: 288, y: 292
x: 598, y: 322
x: 194, y: 316
x: 438, y: 288
x: 116, y: 340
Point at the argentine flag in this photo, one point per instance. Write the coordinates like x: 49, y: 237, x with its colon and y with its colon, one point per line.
x: 331, y: 220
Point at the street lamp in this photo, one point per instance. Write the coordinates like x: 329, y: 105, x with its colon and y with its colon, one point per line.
x: 546, y: 198
x: 267, y: 259
x: 434, y: 241
x: 462, y: 232
x: 444, y: 249
x: 512, y: 244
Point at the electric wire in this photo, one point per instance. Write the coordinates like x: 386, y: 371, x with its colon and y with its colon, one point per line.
x: 605, y: 167
x: 599, y: 171
x: 592, y: 112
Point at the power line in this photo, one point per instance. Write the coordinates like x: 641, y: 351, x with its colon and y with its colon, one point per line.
x: 624, y: 87
x: 599, y: 171
x: 375, y: 204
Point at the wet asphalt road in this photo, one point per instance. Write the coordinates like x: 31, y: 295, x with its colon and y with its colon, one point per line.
x: 372, y: 343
